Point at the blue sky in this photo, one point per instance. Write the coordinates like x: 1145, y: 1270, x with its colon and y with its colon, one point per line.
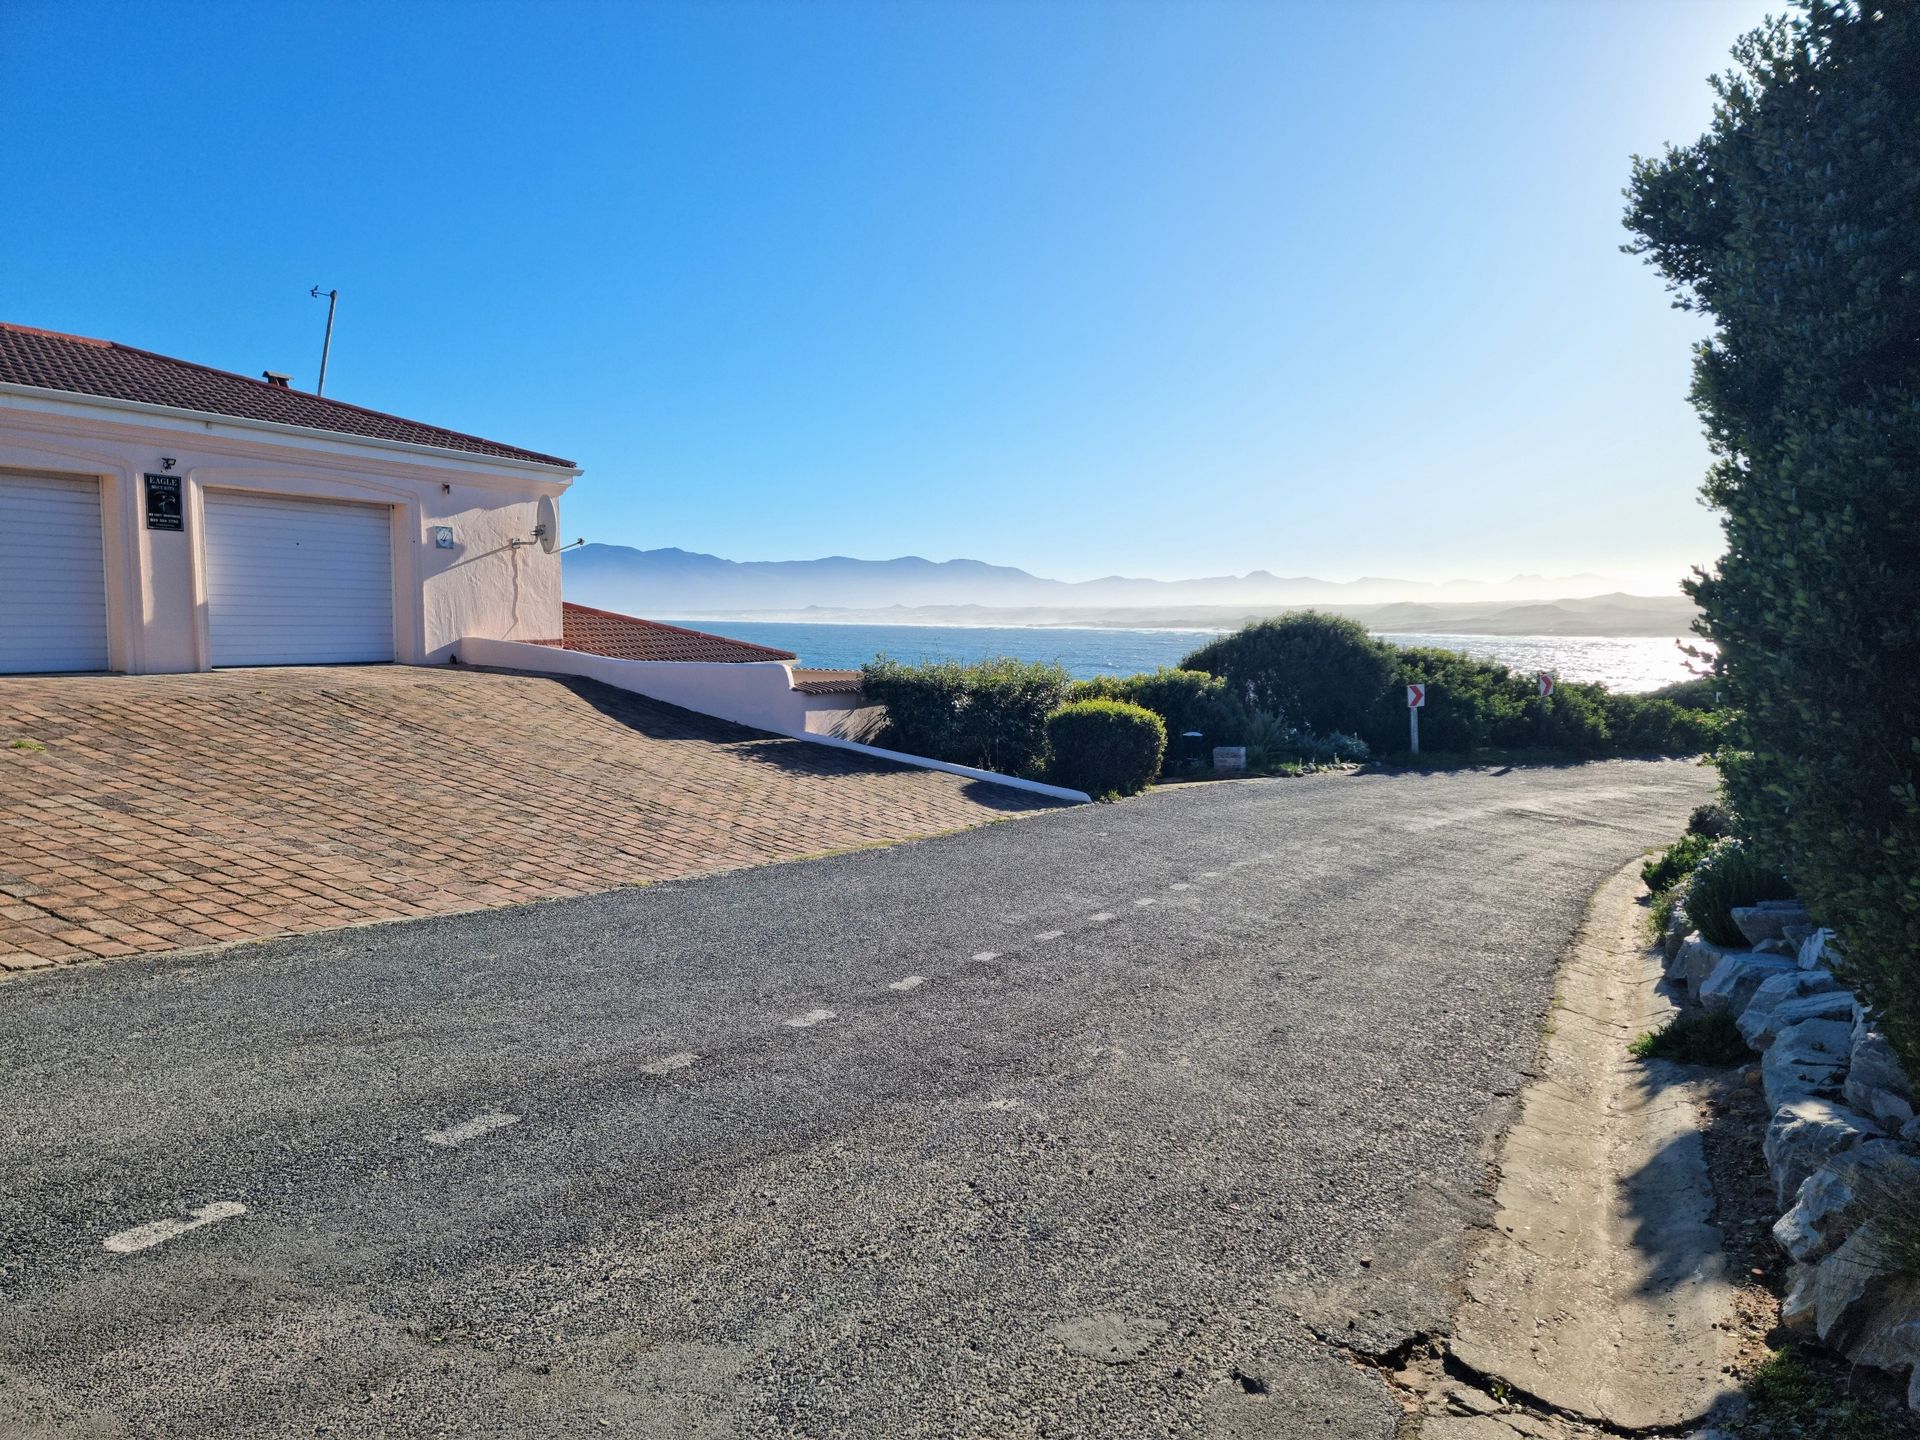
x: 1152, y: 289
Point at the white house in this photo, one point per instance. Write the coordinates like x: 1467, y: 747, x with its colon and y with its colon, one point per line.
x: 158, y: 515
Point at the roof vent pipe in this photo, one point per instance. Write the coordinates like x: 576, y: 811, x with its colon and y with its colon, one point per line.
x: 277, y: 380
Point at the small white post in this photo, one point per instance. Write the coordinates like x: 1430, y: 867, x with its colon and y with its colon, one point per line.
x: 1413, y: 719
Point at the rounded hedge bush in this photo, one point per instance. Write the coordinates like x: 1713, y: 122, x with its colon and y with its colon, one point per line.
x: 1106, y: 747
x: 1728, y: 876
x: 1317, y: 672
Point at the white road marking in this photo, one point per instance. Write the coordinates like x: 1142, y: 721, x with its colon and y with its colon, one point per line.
x: 667, y: 1064
x: 986, y: 954
x: 140, y: 1237
x: 1179, y: 885
x: 910, y: 983
x: 1049, y: 934
x: 1006, y: 1104
x: 470, y: 1129
x: 1142, y: 904
x: 810, y: 1019
x: 1209, y: 874
x: 1100, y: 917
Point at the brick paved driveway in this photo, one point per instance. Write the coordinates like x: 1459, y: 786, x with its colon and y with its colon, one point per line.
x: 181, y: 810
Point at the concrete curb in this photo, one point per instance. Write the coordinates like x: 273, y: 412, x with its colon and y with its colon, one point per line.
x: 1602, y: 1290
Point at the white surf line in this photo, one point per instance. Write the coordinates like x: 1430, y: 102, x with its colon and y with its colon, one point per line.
x: 667, y: 1064
x: 911, y: 982
x: 470, y: 1129
x: 985, y: 955
x: 142, y: 1237
x: 1049, y: 934
x: 809, y: 1020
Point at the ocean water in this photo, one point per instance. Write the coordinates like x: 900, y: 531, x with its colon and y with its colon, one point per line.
x: 1621, y: 662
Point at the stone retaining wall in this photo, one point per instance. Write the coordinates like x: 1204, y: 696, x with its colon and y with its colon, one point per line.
x: 1843, y: 1145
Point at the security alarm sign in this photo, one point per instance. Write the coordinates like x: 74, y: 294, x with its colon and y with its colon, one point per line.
x: 163, y: 502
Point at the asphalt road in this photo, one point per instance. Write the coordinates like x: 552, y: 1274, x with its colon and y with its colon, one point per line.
x: 1186, y: 1115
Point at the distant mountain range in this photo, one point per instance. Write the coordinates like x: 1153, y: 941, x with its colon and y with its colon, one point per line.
x: 685, y: 584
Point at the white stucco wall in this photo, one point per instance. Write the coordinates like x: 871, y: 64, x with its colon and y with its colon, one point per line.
x: 156, y: 579
x: 758, y: 693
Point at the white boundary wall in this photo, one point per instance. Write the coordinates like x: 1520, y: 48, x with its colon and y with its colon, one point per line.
x: 757, y: 693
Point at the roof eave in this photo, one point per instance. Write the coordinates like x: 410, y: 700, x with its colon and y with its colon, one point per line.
x: 565, y: 469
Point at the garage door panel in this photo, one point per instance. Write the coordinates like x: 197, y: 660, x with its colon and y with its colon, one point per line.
x: 53, y: 589
x: 297, y: 582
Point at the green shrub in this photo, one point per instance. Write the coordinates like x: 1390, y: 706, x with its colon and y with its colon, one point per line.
x: 1730, y: 874
x: 1790, y: 227
x: 1660, y: 912
x: 1700, y: 693
x: 1675, y: 863
x: 992, y: 714
x: 1710, y: 820
x: 1266, y: 738
x: 1106, y: 747
x: 1788, y: 1397
x: 1183, y: 699
x: 1649, y: 725
x: 1321, y: 673
x: 1697, y: 1037
x: 1272, y: 743
x: 1471, y: 704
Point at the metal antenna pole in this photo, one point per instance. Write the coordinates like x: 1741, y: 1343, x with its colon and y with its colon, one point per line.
x: 326, y: 346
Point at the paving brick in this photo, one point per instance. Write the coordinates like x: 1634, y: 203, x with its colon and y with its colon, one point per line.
x: 187, y: 809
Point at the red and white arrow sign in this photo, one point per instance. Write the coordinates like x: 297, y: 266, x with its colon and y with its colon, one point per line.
x: 1416, y: 696
x: 1546, y: 683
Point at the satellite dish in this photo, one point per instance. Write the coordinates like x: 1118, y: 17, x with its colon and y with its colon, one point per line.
x: 547, y: 524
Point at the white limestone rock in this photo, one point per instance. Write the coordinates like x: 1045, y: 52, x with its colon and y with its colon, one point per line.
x: 1804, y: 1135
x: 1862, y: 1306
x: 1736, y: 979
x: 1699, y: 959
x: 1876, y: 1084
x: 1843, y: 1194
x: 1807, y: 1059
x: 1769, y: 919
x: 1789, y: 998
x: 1678, y: 928
x: 1683, y: 959
x: 1818, y: 951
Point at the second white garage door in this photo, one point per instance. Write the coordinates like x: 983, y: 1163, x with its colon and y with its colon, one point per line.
x: 297, y: 582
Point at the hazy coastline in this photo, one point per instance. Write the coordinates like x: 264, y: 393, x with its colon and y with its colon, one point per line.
x: 1632, y: 616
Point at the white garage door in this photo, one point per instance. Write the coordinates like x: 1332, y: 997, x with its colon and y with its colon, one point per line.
x: 297, y: 582
x: 53, y: 588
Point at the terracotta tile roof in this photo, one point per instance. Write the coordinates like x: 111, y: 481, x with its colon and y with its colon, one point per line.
x: 826, y: 682
x: 80, y: 366
x: 624, y: 637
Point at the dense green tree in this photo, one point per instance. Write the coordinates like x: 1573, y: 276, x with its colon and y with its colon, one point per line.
x: 1794, y: 222
x: 1320, y: 672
